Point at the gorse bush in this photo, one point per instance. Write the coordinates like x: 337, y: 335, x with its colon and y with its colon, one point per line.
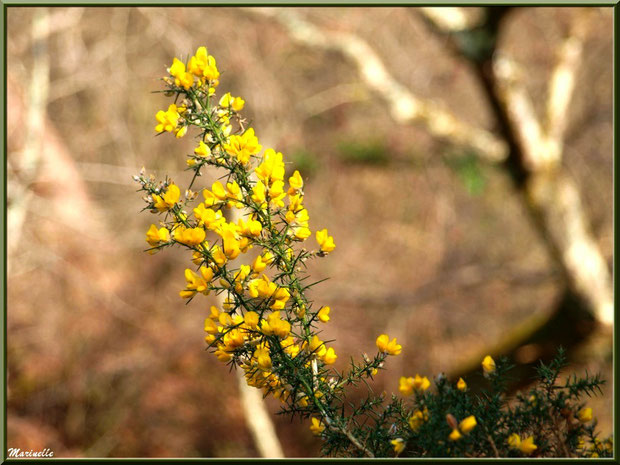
x: 269, y: 328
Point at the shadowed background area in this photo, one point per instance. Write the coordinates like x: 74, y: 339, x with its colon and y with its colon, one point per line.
x: 434, y: 246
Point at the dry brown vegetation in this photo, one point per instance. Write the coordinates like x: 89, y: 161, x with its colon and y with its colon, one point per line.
x: 434, y: 248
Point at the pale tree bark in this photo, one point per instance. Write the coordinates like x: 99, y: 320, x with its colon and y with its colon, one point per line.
x: 26, y: 167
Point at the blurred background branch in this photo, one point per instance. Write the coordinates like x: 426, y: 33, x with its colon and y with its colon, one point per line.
x: 534, y: 151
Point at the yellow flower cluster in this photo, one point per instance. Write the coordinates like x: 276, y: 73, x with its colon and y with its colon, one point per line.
x: 265, y: 325
x: 406, y: 386
x: 526, y: 446
x: 200, y: 72
x: 464, y: 427
x: 389, y: 347
x: 488, y: 365
x: 418, y: 418
x: 265, y: 316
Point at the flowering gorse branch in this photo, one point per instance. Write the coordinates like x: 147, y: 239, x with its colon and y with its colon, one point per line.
x: 267, y: 326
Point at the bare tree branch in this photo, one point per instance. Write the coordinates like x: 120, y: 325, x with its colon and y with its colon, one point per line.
x: 452, y: 19
x: 404, y: 106
x: 28, y: 164
x: 562, y: 82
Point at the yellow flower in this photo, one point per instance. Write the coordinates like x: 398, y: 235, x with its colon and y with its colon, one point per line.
x: 240, y: 276
x: 274, y: 325
x: 468, y: 424
x: 296, y: 182
x: 455, y: 435
x: 326, y: 242
x: 231, y: 244
x: 488, y: 365
x: 180, y: 132
x: 271, y: 168
x: 317, y: 427
x: 211, y: 326
x: 182, y: 78
x: 585, y: 415
x: 323, y: 314
x: 250, y: 227
x: 421, y: 383
x: 417, y: 419
x: 461, y: 385
x: 243, y: 146
x: 290, y: 347
x: 196, y: 283
x: 218, y: 255
x: 202, y: 150
x: 222, y: 355
x: 156, y: 236
x: 259, y: 192
x: 527, y: 446
x: 281, y: 296
x: 177, y: 67
x: 215, y: 312
x: 514, y: 441
x: 208, y: 217
x: 316, y: 346
x: 203, y: 65
x: 197, y: 257
x: 218, y: 191
x: 259, y: 264
x: 330, y: 356
x: 251, y: 319
x: 189, y: 236
x: 399, y: 445
x: 390, y: 347
x: 276, y: 194
x: 261, y: 354
x: 168, y: 200
x: 405, y: 385
x: 225, y: 100
x: 233, y: 339
x: 237, y: 104
x: 167, y: 119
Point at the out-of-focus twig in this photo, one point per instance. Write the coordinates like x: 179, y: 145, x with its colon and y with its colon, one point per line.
x: 562, y: 82
x: 404, y: 106
x: 450, y: 18
x: 333, y: 97
x: 27, y: 166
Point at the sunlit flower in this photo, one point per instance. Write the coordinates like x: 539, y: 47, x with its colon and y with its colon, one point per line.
x: 585, y: 415
x: 390, y: 347
x: 168, y: 200
x: 398, y: 444
x: 488, y: 365
x: 326, y: 242
x: 317, y: 427
x: 468, y: 424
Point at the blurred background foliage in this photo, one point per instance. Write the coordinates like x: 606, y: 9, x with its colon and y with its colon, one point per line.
x: 104, y: 359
